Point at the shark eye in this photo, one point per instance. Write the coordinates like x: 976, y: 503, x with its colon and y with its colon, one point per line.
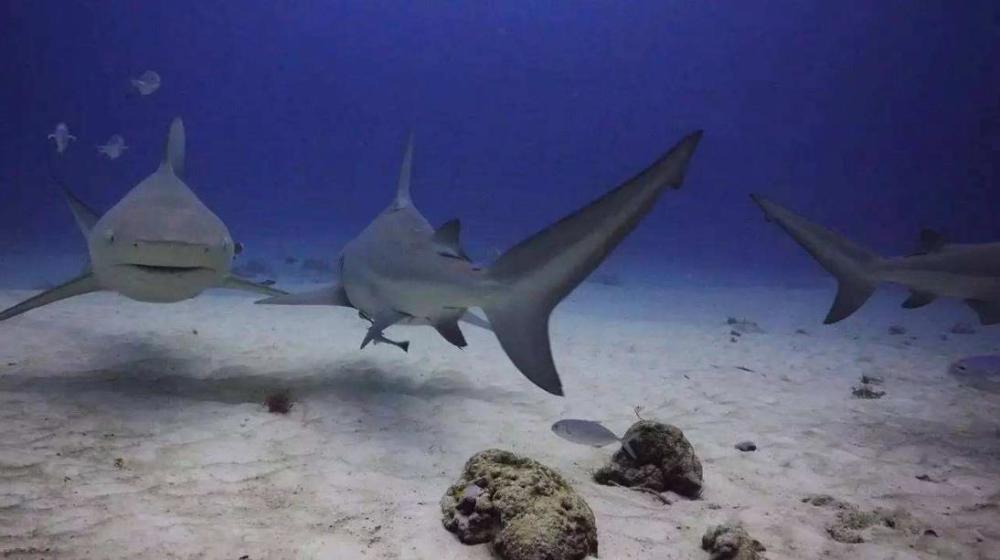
x: 109, y: 236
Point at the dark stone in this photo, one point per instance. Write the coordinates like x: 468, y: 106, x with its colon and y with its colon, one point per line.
x: 897, y: 330
x: 278, y: 403
x: 664, y: 460
x: 746, y: 446
x: 866, y: 391
x: 525, y: 509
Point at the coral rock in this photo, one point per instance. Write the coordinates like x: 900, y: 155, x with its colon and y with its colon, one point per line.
x: 664, y: 460
x: 523, y: 507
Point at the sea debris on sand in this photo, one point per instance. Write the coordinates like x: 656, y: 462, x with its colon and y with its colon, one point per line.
x: 853, y: 525
x: 743, y: 326
x: 525, y: 509
x: 663, y: 460
x: 278, y: 403
x: 731, y: 541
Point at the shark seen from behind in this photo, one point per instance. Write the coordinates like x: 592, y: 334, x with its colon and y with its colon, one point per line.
x: 970, y: 272
x: 401, y: 270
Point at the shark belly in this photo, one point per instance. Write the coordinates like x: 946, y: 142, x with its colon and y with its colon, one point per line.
x: 946, y: 284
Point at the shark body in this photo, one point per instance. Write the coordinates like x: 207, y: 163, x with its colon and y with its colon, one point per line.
x: 159, y: 243
x: 400, y: 270
x: 970, y: 272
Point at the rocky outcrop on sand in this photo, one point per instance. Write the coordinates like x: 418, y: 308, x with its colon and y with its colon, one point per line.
x: 853, y: 525
x: 661, y: 459
x: 731, y: 541
x: 525, y: 509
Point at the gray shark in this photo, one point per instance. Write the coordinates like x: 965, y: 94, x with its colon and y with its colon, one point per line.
x: 401, y: 270
x: 160, y: 243
x: 970, y: 272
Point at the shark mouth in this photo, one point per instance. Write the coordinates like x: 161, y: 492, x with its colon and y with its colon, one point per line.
x: 155, y: 269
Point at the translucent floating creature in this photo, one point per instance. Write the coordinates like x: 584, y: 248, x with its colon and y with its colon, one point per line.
x: 114, y: 147
x: 61, y: 137
x: 147, y: 83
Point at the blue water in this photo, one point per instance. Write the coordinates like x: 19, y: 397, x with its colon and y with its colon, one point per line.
x: 876, y: 119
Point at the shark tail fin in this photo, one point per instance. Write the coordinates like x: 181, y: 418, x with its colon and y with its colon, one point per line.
x: 539, y: 272
x: 849, y: 263
x: 402, y: 199
x: 173, y: 150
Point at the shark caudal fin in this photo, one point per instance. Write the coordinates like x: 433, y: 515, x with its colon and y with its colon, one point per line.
x: 849, y: 263
x: 539, y: 272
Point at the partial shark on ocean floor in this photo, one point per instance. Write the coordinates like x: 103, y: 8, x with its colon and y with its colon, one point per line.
x: 400, y: 270
x: 159, y: 243
x: 970, y: 272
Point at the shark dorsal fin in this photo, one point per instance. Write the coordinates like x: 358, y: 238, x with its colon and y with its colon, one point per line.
x: 931, y: 241
x: 446, y: 240
x: 85, y: 217
x: 173, y: 150
x: 402, y: 199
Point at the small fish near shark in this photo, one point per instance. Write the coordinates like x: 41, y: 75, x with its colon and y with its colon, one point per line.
x: 970, y: 272
x: 158, y: 244
x: 400, y: 270
x: 61, y: 137
x: 589, y: 432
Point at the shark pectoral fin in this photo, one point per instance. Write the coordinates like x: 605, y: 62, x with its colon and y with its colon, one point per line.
x: 234, y: 283
x: 83, y: 284
x: 918, y: 299
x: 330, y: 295
x: 522, y: 327
x: 988, y: 311
x: 85, y: 217
x: 381, y: 321
x: 450, y: 331
x: 475, y: 320
x: 446, y: 240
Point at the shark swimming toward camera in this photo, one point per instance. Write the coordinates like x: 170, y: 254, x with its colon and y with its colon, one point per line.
x: 970, y: 272
x: 400, y: 270
x: 159, y: 244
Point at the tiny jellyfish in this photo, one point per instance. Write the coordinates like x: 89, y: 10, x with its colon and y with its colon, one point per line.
x: 147, y: 82
x: 61, y: 137
x: 114, y: 147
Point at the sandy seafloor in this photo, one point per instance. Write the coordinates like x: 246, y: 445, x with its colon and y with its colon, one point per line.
x: 357, y: 468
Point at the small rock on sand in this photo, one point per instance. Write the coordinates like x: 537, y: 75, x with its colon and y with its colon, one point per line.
x: 526, y: 509
x: 744, y: 326
x: 853, y: 525
x: 664, y: 461
x: 731, y: 542
x: 866, y: 391
x: 897, y: 330
x: 962, y: 328
x: 746, y: 446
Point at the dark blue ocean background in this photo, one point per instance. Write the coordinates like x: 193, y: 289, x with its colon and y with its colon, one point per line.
x: 874, y: 118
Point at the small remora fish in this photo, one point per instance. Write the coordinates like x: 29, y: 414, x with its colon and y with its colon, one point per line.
x: 114, y: 148
x: 980, y: 372
x: 61, y: 136
x: 147, y: 82
x: 588, y: 432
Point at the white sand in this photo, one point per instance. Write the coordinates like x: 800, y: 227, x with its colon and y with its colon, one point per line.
x: 376, y: 436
